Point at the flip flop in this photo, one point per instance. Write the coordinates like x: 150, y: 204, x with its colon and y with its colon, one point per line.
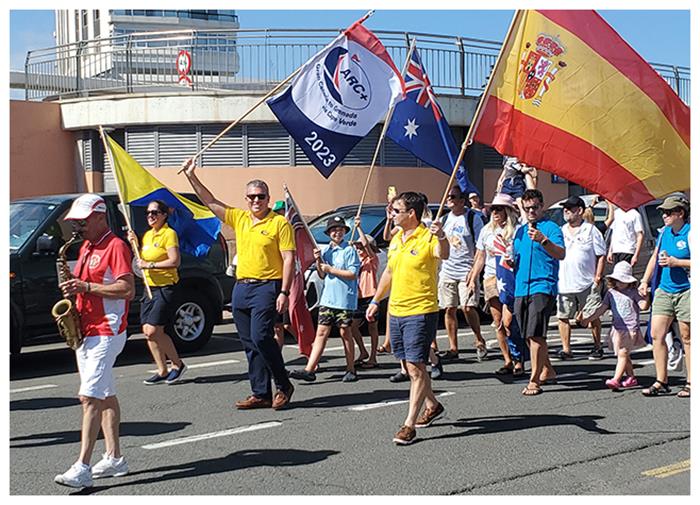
x: 383, y: 350
x: 366, y: 365
x: 504, y: 370
x: 546, y: 382
x: 530, y: 391
x: 359, y: 361
x: 518, y: 372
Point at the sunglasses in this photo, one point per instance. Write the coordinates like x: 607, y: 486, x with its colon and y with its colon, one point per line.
x: 454, y: 197
x: 153, y: 212
x: 497, y: 208
x: 257, y: 196
x: 666, y: 212
x: 533, y: 208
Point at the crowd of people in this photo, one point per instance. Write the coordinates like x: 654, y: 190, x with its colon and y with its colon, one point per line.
x: 432, y: 264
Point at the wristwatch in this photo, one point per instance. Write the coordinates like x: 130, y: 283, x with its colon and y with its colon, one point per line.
x: 284, y: 292
x: 151, y: 265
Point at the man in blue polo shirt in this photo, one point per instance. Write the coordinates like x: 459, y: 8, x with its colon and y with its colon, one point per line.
x: 537, y: 248
x: 338, y: 265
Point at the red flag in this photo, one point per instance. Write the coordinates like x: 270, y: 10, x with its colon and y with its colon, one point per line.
x: 299, y: 314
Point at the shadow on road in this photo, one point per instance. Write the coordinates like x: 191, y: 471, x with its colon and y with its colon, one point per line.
x: 43, y: 403
x: 61, y: 360
x: 126, y: 429
x: 238, y: 460
x: 501, y: 424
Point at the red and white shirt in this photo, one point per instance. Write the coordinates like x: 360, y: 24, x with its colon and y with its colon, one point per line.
x: 102, y: 262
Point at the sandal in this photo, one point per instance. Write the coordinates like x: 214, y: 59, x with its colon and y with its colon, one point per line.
x: 656, y: 389
x: 505, y: 370
x: 366, y: 365
x: 518, y: 372
x: 685, y: 391
x: 532, y: 391
x: 383, y: 350
x: 359, y: 361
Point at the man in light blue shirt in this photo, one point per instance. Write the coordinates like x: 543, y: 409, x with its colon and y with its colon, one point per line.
x: 537, y: 249
x: 339, y: 266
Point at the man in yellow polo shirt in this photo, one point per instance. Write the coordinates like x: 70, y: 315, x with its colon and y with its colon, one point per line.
x: 265, y: 248
x: 412, y: 276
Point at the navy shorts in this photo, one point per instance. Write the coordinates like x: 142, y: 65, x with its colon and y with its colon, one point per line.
x: 514, y: 187
x: 158, y: 309
x: 362, y: 306
x: 411, y: 336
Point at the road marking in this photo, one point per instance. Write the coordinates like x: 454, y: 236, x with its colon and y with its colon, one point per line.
x: 666, y: 471
x: 33, y: 388
x: 216, y: 434
x: 389, y: 403
x: 204, y: 365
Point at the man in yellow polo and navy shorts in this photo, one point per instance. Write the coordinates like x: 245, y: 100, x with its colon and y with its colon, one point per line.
x: 265, y: 248
x: 412, y: 276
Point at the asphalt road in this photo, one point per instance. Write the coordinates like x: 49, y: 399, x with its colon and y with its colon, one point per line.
x: 187, y: 439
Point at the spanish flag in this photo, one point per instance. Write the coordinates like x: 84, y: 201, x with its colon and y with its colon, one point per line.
x: 571, y: 97
x: 196, y: 226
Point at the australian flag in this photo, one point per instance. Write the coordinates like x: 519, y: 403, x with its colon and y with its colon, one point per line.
x: 419, y: 126
x: 505, y: 281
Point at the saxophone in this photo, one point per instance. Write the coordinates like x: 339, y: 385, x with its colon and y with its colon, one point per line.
x: 64, y: 311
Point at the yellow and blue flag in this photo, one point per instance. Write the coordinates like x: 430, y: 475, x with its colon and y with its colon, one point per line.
x: 196, y: 226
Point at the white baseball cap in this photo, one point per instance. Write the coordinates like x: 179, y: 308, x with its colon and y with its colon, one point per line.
x: 85, y: 205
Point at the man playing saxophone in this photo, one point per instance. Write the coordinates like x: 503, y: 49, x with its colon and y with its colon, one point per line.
x: 102, y: 284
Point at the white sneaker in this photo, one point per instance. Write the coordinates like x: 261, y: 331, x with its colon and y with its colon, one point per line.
x: 77, y: 475
x: 110, y: 467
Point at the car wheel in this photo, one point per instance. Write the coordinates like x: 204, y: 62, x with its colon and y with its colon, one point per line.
x: 191, y: 322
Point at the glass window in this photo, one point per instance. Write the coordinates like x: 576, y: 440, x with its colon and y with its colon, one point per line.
x: 25, y: 218
x: 656, y: 222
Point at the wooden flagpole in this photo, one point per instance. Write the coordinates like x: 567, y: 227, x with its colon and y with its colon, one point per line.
x: 260, y: 102
x: 479, y: 110
x: 125, y: 208
x: 387, y: 120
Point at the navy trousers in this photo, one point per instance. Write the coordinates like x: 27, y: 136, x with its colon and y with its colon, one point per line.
x: 254, y: 313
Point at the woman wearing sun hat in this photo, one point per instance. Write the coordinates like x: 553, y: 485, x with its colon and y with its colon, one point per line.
x: 672, y: 297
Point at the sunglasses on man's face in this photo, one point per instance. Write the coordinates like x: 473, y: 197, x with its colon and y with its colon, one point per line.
x: 454, y: 197
x: 532, y: 208
x: 256, y: 196
x: 667, y: 212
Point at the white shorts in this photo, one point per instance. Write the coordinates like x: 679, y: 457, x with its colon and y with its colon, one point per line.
x: 96, y: 357
x: 455, y: 294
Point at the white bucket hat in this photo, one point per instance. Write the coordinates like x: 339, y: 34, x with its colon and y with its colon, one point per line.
x: 85, y: 205
x: 623, y: 273
x: 503, y: 200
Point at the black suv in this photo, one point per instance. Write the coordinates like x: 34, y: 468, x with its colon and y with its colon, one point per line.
x: 37, y: 231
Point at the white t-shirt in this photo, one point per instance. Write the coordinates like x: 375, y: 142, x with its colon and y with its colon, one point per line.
x: 625, y: 227
x: 492, y: 244
x: 461, y: 259
x: 577, y: 269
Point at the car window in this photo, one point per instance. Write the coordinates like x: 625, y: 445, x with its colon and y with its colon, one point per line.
x: 654, y: 219
x: 25, y: 218
x: 372, y: 219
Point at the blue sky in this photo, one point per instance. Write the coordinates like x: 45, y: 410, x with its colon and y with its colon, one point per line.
x: 660, y: 36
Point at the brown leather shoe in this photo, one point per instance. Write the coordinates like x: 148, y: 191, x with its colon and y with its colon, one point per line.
x: 253, y: 402
x: 282, y: 398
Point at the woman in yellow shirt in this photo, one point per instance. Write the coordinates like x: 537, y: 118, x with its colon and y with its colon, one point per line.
x: 160, y: 257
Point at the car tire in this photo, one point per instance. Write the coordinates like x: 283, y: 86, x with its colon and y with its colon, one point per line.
x: 15, y: 336
x: 191, y: 321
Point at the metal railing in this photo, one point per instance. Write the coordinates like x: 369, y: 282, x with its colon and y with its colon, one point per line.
x: 245, y: 60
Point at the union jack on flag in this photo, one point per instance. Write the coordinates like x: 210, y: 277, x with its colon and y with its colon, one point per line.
x: 418, y: 86
x: 419, y: 126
